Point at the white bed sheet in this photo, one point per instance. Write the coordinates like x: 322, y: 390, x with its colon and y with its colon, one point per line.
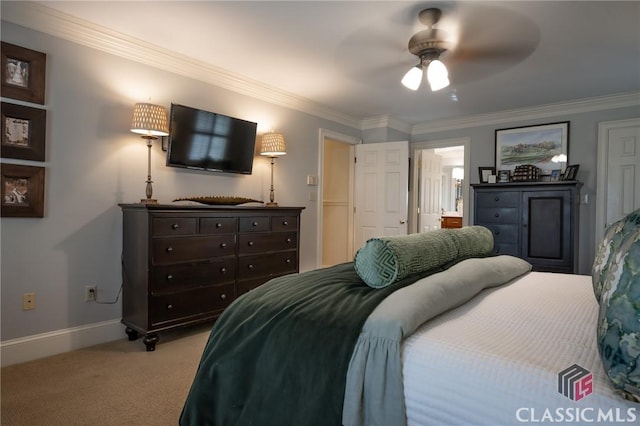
x: 495, y: 360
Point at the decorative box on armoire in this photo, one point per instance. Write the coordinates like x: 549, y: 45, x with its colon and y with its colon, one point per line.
x: 536, y: 221
x: 183, y: 265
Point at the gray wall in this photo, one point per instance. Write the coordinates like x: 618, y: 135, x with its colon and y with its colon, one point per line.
x: 94, y: 162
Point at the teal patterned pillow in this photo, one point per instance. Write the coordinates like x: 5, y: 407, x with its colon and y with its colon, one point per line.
x: 618, y: 291
x: 603, y: 256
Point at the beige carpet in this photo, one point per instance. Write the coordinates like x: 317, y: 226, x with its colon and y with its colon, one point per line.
x: 116, y: 383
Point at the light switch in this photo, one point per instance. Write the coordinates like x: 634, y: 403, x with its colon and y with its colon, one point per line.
x: 312, y: 180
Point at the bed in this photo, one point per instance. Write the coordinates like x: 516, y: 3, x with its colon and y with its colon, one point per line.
x: 475, y: 339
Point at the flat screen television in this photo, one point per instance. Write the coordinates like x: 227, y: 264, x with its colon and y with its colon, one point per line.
x: 204, y: 140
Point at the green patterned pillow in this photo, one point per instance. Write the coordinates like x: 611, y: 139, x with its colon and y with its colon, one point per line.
x: 385, y: 260
x: 619, y: 315
x: 616, y: 238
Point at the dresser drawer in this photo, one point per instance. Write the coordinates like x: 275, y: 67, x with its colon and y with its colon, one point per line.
x: 496, y: 215
x: 503, y: 233
x: 184, y: 249
x: 284, y: 223
x: 190, y: 303
x: 186, y: 275
x: 264, y: 265
x: 165, y: 226
x: 451, y: 222
x: 254, y: 224
x: 261, y: 243
x: 498, y: 199
x: 218, y: 225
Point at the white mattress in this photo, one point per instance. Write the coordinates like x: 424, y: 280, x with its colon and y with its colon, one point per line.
x: 495, y: 360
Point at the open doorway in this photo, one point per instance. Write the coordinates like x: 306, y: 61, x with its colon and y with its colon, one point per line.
x: 335, y: 191
x: 440, y: 196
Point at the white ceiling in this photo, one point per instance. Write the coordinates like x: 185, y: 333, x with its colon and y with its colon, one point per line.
x: 350, y: 56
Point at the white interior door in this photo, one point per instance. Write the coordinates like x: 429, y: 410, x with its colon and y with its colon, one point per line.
x: 430, y: 168
x: 381, y: 190
x: 618, y: 172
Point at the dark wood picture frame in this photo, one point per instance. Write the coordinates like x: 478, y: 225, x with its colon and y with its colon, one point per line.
x: 485, y: 172
x: 534, y: 145
x: 22, y: 190
x: 571, y: 172
x: 23, y: 73
x: 23, y: 132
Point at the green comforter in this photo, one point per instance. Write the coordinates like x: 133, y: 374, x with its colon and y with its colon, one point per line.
x: 279, y: 355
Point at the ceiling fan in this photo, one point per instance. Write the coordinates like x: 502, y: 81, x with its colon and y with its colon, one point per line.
x: 428, y: 45
x: 474, y: 50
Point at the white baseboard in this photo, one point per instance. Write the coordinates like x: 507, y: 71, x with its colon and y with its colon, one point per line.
x: 46, y: 344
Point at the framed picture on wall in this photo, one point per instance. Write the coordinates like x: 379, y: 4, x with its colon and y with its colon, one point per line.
x: 22, y: 191
x: 23, y: 132
x: 535, y: 145
x: 23, y: 73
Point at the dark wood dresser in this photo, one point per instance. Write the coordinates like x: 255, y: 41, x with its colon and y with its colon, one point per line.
x: 183, y: 265
x: 537, y: 221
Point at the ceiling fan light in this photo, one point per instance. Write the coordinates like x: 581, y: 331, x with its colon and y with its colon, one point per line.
x: 437, y: 75
x: 413, y: 78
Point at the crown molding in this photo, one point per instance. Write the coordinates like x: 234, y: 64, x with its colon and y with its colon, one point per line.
x: 58, y: 24
x: 622, y: 100
x: 385, y: 121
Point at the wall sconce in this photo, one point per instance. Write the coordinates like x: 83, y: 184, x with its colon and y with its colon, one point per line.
x: 149, y: 121
x: 272, y: 146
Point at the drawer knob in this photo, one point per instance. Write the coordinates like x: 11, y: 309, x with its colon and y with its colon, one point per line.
x: 250, y: 243
x: 223, y: 245
x: 223, y: 296
x: 254, y: 224
x: 285, y: 223
x: 497, y: 215
x: 287, y: 261
x: 175, y: 226
x: 497, y: 232
x: 288, y: 240
x: 250, y: 266
x: 169, y: 307
x: 218, y: 225
x: 169, y: 277
x: 169, y: 249
x: 223, y: 270
x: 496, y: 199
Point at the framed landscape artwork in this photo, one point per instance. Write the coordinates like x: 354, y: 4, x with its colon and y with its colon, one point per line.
x: 23, y: 132
x: 535, y: 145
x: 22, y: 191
x: 23, y: 73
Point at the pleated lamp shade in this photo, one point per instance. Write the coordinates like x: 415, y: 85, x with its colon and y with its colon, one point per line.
x: 273, y: 145
x: 149, y: 119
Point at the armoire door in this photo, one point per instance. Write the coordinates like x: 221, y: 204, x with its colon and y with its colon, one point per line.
x: 546, y: 233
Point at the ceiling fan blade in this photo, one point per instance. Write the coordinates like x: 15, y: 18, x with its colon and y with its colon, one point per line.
x: 491, y: 40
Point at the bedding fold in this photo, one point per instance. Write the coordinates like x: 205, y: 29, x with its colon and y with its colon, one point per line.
x: 374, y: 389
x: 279, y: 354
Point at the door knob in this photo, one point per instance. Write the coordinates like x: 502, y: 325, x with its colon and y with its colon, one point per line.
x: 402, y: 221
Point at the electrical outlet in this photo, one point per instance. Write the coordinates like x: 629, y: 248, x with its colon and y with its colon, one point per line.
x: 28, y: 301
x: 90, y: 293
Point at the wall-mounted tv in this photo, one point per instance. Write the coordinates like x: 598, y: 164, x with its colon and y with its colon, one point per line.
x: 204, y: 140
